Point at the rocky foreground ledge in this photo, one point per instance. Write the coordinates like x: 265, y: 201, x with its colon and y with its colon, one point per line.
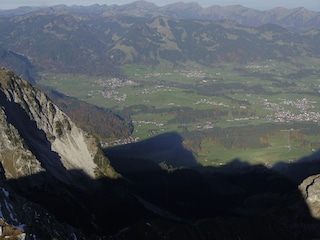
x: 310, y: 189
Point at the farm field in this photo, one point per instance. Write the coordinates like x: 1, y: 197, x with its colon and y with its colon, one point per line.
x: 259, y: 112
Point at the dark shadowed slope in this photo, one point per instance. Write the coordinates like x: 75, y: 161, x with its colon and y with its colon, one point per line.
x: 229, y: 202
x: 252, y: 203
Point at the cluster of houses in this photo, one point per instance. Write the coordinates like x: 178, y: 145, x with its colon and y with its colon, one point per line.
x: 139, y: 123
x: 149, y: 75
x: 114, y: 83
x: 109, y: 87
x: 194, y: 74
x: 206, y: 101
x: 110, y: 94
x: 188, y: 74
x: 257, y: 66
x: 285, y: 115
x: 120, y: 141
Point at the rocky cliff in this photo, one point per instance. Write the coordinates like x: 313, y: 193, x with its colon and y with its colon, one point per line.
x: 310, y: 189
x: 36, y: 136
x: 38, y: 139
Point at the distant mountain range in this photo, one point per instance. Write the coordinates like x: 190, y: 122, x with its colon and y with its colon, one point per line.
x: 296, y: 19
x: 98, y: 39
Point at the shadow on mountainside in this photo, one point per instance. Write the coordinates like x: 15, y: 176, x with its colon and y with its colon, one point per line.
x: 103, y: 208
x: 166, y: 148
x: 235, y: 201
x: 300, y: 170
x: 35, y: 138
x: 235, y: 193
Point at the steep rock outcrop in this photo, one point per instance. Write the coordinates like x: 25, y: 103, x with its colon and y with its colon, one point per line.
x: 310, y: 189
x: 37, y: 136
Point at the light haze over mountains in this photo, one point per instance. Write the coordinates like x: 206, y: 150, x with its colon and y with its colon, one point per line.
x: 260, y: 5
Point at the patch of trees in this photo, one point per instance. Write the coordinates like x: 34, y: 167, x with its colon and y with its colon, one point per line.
x: 308, y: 129
x: 103, y: 123
x: 184, y: 115
x: 189, y: 115
x: 251, y: 136
x: 172, y: 55
x: 221, y: 89
x: 284, y: 84
x: 20, y: 64
x: 232, y: 137
x: 302, y: 74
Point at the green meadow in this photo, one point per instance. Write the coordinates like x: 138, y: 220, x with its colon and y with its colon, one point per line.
x: 194, y: 99
x: 280, y: 149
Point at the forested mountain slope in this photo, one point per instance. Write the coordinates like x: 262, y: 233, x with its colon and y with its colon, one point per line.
x: 64, y: 41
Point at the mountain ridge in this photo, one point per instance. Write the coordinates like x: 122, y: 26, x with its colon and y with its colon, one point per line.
x: 293, y: 18
x: 63, y: 42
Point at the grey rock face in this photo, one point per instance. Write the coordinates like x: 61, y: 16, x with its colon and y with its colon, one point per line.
x: 310, y: 189
x: 36, y: 136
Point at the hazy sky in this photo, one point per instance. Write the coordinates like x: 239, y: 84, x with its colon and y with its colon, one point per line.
x: 257, y: 4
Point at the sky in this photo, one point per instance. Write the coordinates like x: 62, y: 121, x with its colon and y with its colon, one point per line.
x: 256, y: 4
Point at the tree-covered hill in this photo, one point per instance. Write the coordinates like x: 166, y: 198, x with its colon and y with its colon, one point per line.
x: 105, y: 124
x: 62, y: 41
x: 298, y: 19
x: 19, y: 63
